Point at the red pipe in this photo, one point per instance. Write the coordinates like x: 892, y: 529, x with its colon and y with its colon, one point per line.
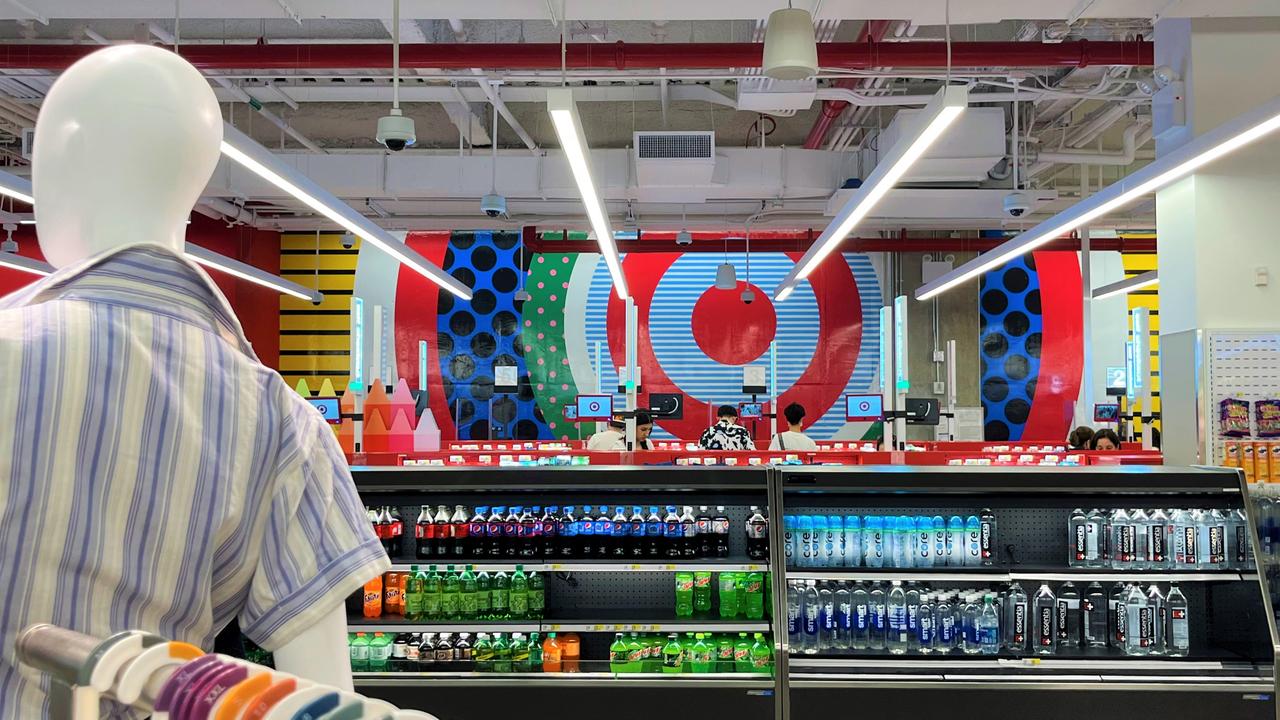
x: 873, y: 31
x: 617, y: 56
x: 797, y: 241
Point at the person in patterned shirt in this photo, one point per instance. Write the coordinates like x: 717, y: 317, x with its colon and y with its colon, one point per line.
x: 726, y: 434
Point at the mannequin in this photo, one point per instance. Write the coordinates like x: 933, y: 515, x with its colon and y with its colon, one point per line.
x: 128, y: 138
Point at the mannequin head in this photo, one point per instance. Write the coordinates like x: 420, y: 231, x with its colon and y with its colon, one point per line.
x: 125, y: 143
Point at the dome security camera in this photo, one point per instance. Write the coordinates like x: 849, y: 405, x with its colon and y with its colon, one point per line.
x: 395, y: 131
x: 348, y: 240
x: 748, y: 296
x: 1017, y: 204
x: 493, y: 205
x: 684, y: 237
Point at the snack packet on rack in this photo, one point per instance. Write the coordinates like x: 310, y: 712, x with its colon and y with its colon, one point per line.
x: 1234, y: 417
x: 1267, y: 415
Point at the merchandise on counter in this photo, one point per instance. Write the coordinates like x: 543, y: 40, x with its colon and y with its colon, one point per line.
x: 1233, y: 417
x: 910, y: 618
x: 457, y: 594
x: 890, y: 541
x: 1158, y: 539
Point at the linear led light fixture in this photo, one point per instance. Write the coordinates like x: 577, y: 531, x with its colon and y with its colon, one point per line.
x: 244, y: 271
x: 262, y: 162
x: 1202, y: 150
x: 568, y: 125
x: 926, y: 127
x: 1126, y: 286
x: 18, y: 188
x: 13, y: 261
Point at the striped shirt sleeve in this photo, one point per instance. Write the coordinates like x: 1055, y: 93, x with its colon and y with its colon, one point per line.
x: 318, y: 546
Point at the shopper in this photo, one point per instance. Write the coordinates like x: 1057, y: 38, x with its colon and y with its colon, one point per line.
x: 793, y: 438
x: 1106, y: 439
x: 726, y: 434
x: 644, y: 427
x: 612, y: 439
x: 1081, y: 438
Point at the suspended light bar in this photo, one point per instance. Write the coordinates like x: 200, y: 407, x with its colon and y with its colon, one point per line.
x: 244, y: 271
x: 568, y: 125
x: 926, y: 127
x: 1221, y: 140
x: 1126, y: 286
x: 262, y: 162
x: 13, y: 261
x: 18, y: 188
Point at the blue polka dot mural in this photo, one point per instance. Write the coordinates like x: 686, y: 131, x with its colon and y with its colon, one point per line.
x: 1012, y: 331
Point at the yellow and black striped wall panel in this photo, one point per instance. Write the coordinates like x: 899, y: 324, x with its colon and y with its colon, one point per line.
x: 315, y: 340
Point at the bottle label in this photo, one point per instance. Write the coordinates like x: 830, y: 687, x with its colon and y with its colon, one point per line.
x: 1241, y: 544
x: 720, y: 526
x: 861, y: 618
x: 1217, y: 544
x: 878, y: 618
x: 637, y: 528
x: 684, y: 584
x: 975, y: 545
x: 913, y: 618
x: 757, y: 529
x: 1128, y: 548
x: 1062, y: 622
x: 793, y: 621
x: 1179, y: 629
x: 1046, y: 627
x: 842, y: 620
x: 704, y: 526
x: 689, y: 530
x: 359, y: 652
x: 922, y: 547
x: 926, y: 629
x: 947, y: 629
x: 787, y: 539
x: 586, y: 526
x: 1082, y: 542
x: 1146, y: 626
x: 988, y: 540
x: 672, y: 660
x: 653, y: 528
x: 420, y: 531
x: 618, y: 657
x: 1020, y: 624
x: 1190, y: 556
x: 1159, y: 549
x: 939, y: 543
x: 673, y: 530
x: 898, y: 618
x: 1122, y: 622
x: 811, y: 620
x: 493, y: 529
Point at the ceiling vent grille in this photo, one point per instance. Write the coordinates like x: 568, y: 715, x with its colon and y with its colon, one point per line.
x: 675, y: 145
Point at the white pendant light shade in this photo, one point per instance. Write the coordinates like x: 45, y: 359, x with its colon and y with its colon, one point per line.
x: 726, y: 277
x: 790, y: 49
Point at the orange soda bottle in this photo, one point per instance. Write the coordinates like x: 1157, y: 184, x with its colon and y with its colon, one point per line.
x: 551, y: 654
x: 373, y: 598
x: 391, y: 594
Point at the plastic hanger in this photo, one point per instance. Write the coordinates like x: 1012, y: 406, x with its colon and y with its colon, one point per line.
x: 210, y: 692
x: 165, y: 701
x: 318, y: 707
x: 262, y: 703
x: 348, y: 709
x: 237, y: 698
x: 135, y: 676
x: 186, y: 696
x: 289, y: 706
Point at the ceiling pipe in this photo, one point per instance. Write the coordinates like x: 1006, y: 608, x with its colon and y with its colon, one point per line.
x: 1135, y: 136
x: 613, y: 56
x: 873, y: 31
x: 800, y: 240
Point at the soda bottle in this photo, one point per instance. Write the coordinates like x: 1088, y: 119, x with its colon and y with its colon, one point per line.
x: 400, y: 661
x: 1177, y: 623
x: 655, y: 644
x: 621, y: 527
x: 463, y: 653
x: 525, y: 530
x: 535, y: 653
x: 702, y: 592
x: 415, y: 591
x: 423, y: 534
x: 604, y: 533
x: 742, y: 653
x: 654, y: 530
x: 724, y: 654
x: 469, y: 600
x: 987, y: 536
x: 501, y: 654
x: 519, y: 653
x: 728, y: 591
x: 442, y: 532
x: 568, y: 526
x: 703, y: 658
x: 534, y: 549
x: 618, y: 654
x: 382, y: 527
x: 392, y: 600
x: 518, y: 599
x: 688, y: 533
x: 720, y: 531
x: 550, y: 531
x: 432, y: 595
x: 635, y: 654
x: 483, y: 653
x: 753, y: 599
x: 484, y: 585
x: 684, y: 594
x: 379, y: 652
x: 460, y: 531
x: 537, y: 596
x: 704, y: 534
x: 493, y: 532
x: 761, y: 655
x: 511, y: 531
x: 635, y: 533
x: 500, y: 596
x: 757, y: 535
x: 477, y: 533
x: 672, y: 534
x: 359, y: 653
x: 672, y: 655
x: 451, y: 595
x: 444, y: 652
x: 551, y: 656
x: 373, y: 598
x: 586, y: 533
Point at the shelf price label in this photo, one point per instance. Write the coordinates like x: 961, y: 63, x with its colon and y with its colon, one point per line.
x: 556, y: 567
x: 553, y: 628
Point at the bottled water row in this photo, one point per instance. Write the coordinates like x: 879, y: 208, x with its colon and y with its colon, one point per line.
x: 1157, y: 539
x: 892, y: 541
x: 831, y: 616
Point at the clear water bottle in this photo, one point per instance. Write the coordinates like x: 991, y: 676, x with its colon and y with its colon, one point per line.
x: 1141, y: 539
x: 939, y: 540
x: 969, y: 617
x: 928, y: 632
x: 843, y: 617
x: 821, y: 536
x: 987, y: 537
x: 790, y: 540
x: 923, y: 543
x: 913, y: 617
x: 1140, y: 616
x: 1098, y: 524
x: 826, y: 618
x: 1156, y: 600
x: 860, y: 635
x: 897, y: 639
x: 873, y: 541
x: 989, y: 626
x: 1240, y: 552
x: 1044, y: 635
x: 945, y: 621
x: 1117, y: 616
x: 805, y: 545
x: 835, y: 529
x: 1121, y: 542
x: 1079, y: 553
x: 1068, y: 616
x: 1016, y: 607
x: 795, y: 617
x: 879, y: 618
x: 852, y: 541
x: 955, y: 541
x: 1093, y: 616
x: 1185, y: 540
x: 1160, y: 556
x: 907, y: 527
x: 1203, y: 552
x: 891, y: 542
x: 812, y: 611
x: 972, y: 542
x: 1177, y: 624
x: 1216, y: 555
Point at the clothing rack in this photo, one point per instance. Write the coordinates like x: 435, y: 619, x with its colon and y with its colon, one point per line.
x: 175, y: 679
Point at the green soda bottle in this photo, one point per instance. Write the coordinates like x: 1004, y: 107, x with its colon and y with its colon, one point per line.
x: 537, y: 596
x: 753, y: 601
x: 535, y: 653
x: 702, y: 592
x: 499, y: 595
x: 432, y: 595
x: 672, y: 655
x: 618, y: 655
x: 761, y: 656
x: 656, y: 646
x: 483, y: 583
x: 414, y: 591
x: 451, y: 598
x: 701, y: 653
x: 684, y: 594
x: 501, y: 655
x: 636, y: 653
x: 359, y: 653
x: 742, y: 654
x: 482, y: 653
x: 379, y: 652
x: 469, y: 602
x: 688, y: 652
x: 518, y: 598
x: 724, y: 654
x: 728, y: 595
x: 519, y: 653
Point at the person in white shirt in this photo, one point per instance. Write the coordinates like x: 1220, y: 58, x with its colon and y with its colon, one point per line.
x: 794, y: 438
x: 614, y: 439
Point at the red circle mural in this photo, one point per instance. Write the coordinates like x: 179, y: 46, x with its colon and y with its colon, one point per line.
x: 730, y: 331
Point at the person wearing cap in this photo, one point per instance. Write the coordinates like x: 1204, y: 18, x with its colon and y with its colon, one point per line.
x: 793, y: 438
x: 726, y: 434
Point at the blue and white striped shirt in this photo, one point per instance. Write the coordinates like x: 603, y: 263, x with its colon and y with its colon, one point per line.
x: 155, y: 475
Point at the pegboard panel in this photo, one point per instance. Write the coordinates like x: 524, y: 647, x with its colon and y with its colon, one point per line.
x: 1243, y: 365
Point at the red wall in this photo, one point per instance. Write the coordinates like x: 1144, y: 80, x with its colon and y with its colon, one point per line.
x: 257, y: 307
